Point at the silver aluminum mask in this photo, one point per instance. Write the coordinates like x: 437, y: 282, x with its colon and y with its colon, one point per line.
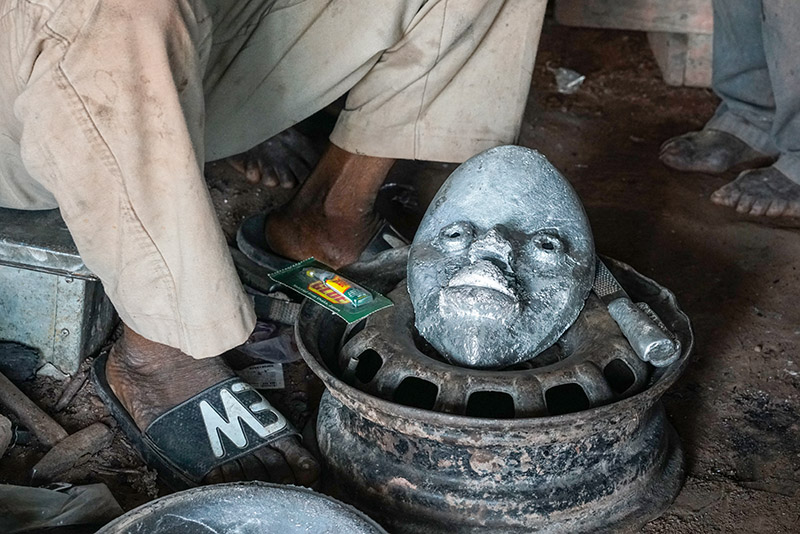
x: 502, y: 261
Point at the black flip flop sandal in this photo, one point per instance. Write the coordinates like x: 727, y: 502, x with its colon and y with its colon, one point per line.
x: 220, y: 424
x: 253, y: 244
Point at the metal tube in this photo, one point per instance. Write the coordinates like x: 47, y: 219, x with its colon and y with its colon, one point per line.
x: 46, y: 430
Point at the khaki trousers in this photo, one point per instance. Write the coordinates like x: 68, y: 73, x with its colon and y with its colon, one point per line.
x: 109, y: 108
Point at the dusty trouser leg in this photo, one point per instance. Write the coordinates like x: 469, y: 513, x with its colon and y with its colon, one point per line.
x: 775, y: 191
x: 112, y: 121
x: 739, y: 131
x: 450, y: 81
x: 298, y: 57
x: 20, y: 22
x: 112, y: 117
x: 781, y: 34
x: 741, y: 75
x: 430, y: 79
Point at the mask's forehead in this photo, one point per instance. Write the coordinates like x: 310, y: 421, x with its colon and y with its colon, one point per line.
x: 509, y: 185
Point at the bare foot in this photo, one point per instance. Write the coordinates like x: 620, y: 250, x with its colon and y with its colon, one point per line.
x: 761, y: 192
x: 709, y: 151
x: 149, y: 378
x: 332, y: 216
x: 284, y: 160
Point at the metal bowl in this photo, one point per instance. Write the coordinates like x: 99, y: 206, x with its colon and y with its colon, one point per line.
x: 244, y: 508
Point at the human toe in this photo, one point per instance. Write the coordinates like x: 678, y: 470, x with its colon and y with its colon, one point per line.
x: 253, y: 467
x: 253, y: 172
x: 270, y: 177
x: 727, y: 195
x: 677, y: 151
x: 304, y: 466
x: 760, y: 206
x: 777, y: 208
x: 745, y: 203
x: 276, y: 465
x: 287, y: 178
x: 792, y: 210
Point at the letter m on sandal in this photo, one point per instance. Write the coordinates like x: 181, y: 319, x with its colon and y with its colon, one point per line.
x: 236, y: 415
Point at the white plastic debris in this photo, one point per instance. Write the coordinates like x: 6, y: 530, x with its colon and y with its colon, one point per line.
x: 567, y: 81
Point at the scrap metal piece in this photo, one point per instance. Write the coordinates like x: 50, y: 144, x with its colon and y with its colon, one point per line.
x: 71, y: 451
x: 382, y: 357
x: 71, y: 390
x: 49, y: 298
x: 46, y: 430
x: 244, y: 508
x: 647, y: 334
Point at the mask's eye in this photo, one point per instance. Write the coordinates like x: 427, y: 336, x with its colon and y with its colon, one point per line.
x: 547, y: 243
x: 456, y: 236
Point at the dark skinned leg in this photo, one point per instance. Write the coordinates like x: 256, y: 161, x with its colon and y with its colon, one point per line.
x: 761, y: 192
x: 332, y: 216
x: 150, y: 378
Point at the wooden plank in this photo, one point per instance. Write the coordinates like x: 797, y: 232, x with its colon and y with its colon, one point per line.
x: 684, y: 59
x: 698, y: 60
x: 675, y: 16
x: 669, y: 50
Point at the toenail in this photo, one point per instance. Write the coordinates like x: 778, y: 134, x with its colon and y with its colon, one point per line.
x: 307, y: 464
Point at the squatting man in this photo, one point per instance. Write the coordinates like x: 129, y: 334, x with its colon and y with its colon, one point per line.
x: 109, y: 109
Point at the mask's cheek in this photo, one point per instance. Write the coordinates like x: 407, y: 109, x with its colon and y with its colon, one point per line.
x: 546, y: 279
x: 428, y: 267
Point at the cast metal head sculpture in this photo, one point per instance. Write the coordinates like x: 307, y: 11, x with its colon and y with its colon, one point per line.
x: 502, y: 261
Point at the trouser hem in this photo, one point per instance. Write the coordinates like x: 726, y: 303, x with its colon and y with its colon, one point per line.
x: 789, y: 165
x: 745, y: 131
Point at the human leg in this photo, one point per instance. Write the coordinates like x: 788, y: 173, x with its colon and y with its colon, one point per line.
x: 775, y: 191
x: 300, y: 57
x: 20, y: 22
x: 739, y: 132
x: 111, y: 115
x: 455, y: 83
x: 111, y: 127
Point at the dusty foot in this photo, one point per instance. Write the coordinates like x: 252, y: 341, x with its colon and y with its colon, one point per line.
x: 284, y: 160
x: 709, y: 151
x: 143, y: 375
x: 761, y: 192
x: 331, y: 217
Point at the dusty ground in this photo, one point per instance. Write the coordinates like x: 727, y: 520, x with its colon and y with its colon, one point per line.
x: 736, y: 408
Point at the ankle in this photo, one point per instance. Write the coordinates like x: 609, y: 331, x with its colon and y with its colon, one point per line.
x: 137, y: 355
x: 343, y: 184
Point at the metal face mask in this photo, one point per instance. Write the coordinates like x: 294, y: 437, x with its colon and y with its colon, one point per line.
x: 502, y: 261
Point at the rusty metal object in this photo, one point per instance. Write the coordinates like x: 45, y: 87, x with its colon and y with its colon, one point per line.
x: 564, y: 447
x: 70, y: 452
x: 46, y: 430
x: 71, y: 389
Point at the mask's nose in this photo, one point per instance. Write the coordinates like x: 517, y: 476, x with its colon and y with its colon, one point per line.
x: 495, y: 247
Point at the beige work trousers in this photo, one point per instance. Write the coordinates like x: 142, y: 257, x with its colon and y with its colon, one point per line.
x: 109, y: 108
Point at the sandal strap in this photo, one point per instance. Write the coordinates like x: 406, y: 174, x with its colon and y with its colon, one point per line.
x: 224, y: 422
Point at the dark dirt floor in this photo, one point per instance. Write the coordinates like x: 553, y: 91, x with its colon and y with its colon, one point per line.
x: 736, y: 408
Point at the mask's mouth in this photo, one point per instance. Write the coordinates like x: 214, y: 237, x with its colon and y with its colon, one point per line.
x: 483, y: 274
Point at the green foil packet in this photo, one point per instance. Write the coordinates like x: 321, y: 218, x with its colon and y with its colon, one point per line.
x: 321, y: 284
